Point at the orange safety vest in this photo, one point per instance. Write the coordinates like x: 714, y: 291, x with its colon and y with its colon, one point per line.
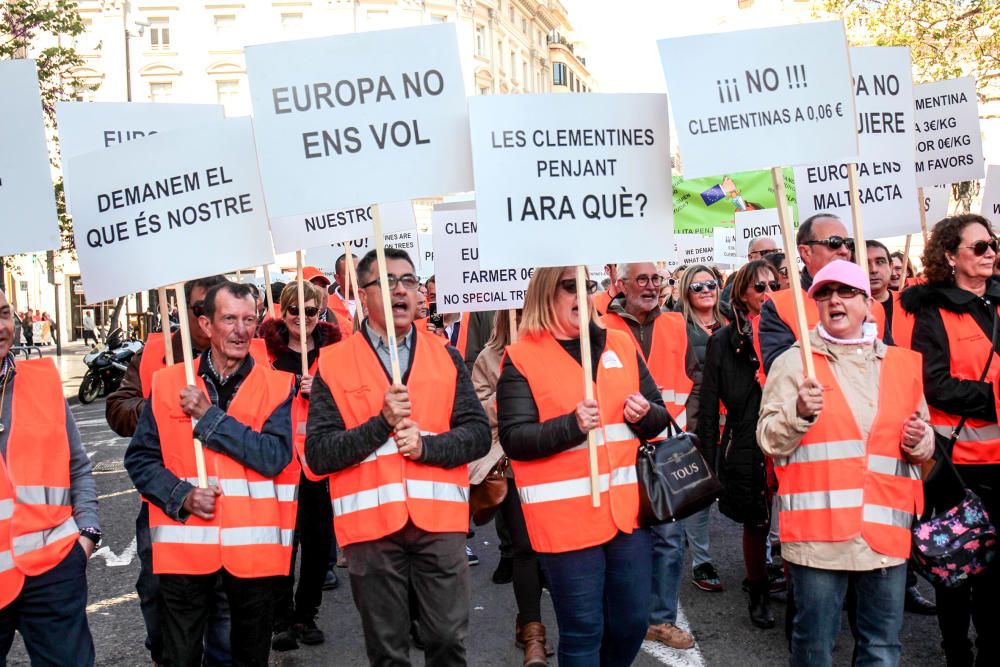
x: 979, y: 440
x: 251, y: 534
x: 37, y: 529
x: 835, y: 485
x: 601, y: 302
x: 902, y: 323
x: 153, y: 351
x: 378, y: 496
x: 555, y: 491
x: 338, y: 307
x: 785, y: 307
x: 666, y: 361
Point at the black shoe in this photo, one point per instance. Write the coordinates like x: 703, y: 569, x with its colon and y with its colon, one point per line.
x: 916, y: 603
x: 760, y: 605
x: 308, y: 633
x: 473, y: 558
x: 504, y: 574
x: 331, y: 580
x: 776, y: 578
x: 284, y: 640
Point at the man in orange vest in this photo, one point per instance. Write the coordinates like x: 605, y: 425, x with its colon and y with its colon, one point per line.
x: 340, y: 303
x: 847, y: 447
x: 122, y: 411
x: 238, y: 529
x: 396, y: 455
x: 662, y: 340
x: 48, y: 512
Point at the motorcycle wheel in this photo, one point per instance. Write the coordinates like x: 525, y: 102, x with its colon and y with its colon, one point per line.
x: 90, y: 388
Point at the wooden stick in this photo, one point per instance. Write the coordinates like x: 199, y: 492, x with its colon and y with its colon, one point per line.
x: 359, y: 311
x: 781, y: 199
x: 860, y: 249
x: 390, y: 328
x: 352, y: 284
x: 182, y: 313
x: 268, y: 297
x: 588, y: 384
x: 304, y: 350
x: 906, y: 260
x: 161, y: 296
x: 923, y: 214
x: 512, y: 317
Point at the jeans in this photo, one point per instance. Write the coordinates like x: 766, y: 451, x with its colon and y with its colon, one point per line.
x: 696, y: 531
x: 819, y: 599
x: 601, y: 598
x: 668, y: 561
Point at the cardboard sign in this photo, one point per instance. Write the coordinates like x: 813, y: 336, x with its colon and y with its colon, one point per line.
x: 991, y: 194
x: 724, y: 239
x: 425, y: 246
x: 28, y: 216
x: 325, y: 257
x: 886, y: 174
x: 556, y: 188
x: 196, y: 210
x: 949, y: 143
x: 753, y: 224
x: 345, y: 121
x: 693, y: 249
x: 936, y: 200
x: 462, y: 284
x: 756, y: 99
x: 332, y: 227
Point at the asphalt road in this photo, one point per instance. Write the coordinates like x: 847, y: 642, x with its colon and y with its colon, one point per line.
x: 719, y: 620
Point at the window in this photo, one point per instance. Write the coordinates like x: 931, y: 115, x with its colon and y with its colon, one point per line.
x: 571, y: 79
x: 159, y: 34
x: 559, y: 74
x: 500, y: 53
x: 524, y: 25
x: 224, y: 24
x: 512, y: 13
x: 483, y: 90
x: 513, y: 64
x: 480, y: 41
x: 524, y: 75
x: 226, y: 94
x: 291, y: 21
x: 160, y: 92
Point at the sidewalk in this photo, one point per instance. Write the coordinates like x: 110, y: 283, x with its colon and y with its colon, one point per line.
x: 70, y: 365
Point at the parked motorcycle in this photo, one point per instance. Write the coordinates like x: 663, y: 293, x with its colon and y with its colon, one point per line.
x: 106, y: 366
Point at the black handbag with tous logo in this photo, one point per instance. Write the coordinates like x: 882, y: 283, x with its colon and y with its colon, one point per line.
x: 674, y: 479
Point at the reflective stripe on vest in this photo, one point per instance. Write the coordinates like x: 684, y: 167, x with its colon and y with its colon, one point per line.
x: 888, y: 516
x: 984, y: 433
x: 42, y: 495
x: 575, y: 488
x: 613, y: 433
x: 261, y: 489
x: 6, y: 509
x: 6, y: 561
x: 181, y: 534
x: 821, y: 500
x: 888, y: 465
x: 23, y: 544
x: 823, y: 451
x: 369, y: 499
x: 255, y: 535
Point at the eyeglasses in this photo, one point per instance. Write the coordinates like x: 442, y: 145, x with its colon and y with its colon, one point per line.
x: 643, y: 280
x: 834, y: 242
x: 569, y: 285
x: 764, y: 253
x: 311, y: 311
x: 979, y: 247
x: 762, y: 286
x: 198, y: 308
x: 409, y: 282
x: 709, y: 285
x: 826, y: 292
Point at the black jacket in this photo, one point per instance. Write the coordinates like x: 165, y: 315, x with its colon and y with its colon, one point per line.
x: 524, y: 438
x: 729, y: 375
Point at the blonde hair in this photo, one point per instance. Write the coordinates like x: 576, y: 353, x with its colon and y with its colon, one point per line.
x: 310, y: 292
x: 539, y: 314
x: 685, y: 295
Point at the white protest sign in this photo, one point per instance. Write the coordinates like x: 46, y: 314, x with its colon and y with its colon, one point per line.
x: 724, y: 247
x: 425, y: 246
x: 325, y: 257
x: 353, y: 119
x: 28, y: 217
x: 332, y: 227
x: 694, y: 249
x: 936, y: 199
x: 755, y: 99
x: 949, y: 143
x: 557, y: 188
x: 991, y: 194
x: 886, y: 173
x: 759, y: 223
x: 462, y: 284
x: 196, y: 209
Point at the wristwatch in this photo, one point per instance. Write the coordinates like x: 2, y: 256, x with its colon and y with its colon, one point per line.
x: 92, y: 534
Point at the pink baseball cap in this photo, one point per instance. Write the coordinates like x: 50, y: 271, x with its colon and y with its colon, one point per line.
x: 843, y: 272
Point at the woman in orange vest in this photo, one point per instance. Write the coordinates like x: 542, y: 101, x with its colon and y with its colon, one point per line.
x: 847, y: 446
x: 294, y: 623
x: 598, y: 559
x: 955, y: 312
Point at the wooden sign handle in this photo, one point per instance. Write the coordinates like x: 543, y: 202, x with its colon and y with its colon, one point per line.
x: 268, y: 297
x: 390, y: 329
x: 583, y: 309
x: 512, y: 322
x: 304, y: 351
x: 860, y: 248
x: 923, y: 214
x: 794, y: 280
x: 352, y: 286
x: 906, y: 259
x: 168, y: 350
x: 182, y: 313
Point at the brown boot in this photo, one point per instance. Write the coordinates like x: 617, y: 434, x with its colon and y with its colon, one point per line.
x: 519, y: 636
x: 531, y: 637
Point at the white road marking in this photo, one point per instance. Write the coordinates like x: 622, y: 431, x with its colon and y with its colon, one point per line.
x: 111, y: 602
x: 675, y: 657
x: 116, y: 493
x: 115, y: 560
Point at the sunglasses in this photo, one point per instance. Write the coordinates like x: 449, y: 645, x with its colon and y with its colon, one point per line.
x: 826, y: 292
x: 762, y: 286
x: 764, y: 253
x: 979, y: 247
x: 697, y: 287
x: 198, y: 308
x: 834, y: 242
x: 569, y: 285
x: 311, y: 311
x: 644, y: 280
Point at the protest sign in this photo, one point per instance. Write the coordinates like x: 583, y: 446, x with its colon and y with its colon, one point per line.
x: 694, y: 249
x: 936, y: 199
x: 27, y: 202
x: 887, y: 189
x: 753, y: 224
x: 949, y: 144
x: 196, y: 210
x: 425, y: 246
x: 700, y: 204
x: 761, y: 98
x: 345, y: 121
x: 331, y: 227
x: 991, y: 194
x: 325, y: 257
x: 724, y: 247
x: 555, y: 188
x: 462, y: 284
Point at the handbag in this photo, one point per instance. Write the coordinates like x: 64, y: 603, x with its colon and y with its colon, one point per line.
x: 485, y: 498
x: 954, y: 545
x: 674, y: 478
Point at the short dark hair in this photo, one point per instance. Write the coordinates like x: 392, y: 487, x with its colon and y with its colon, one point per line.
x: 879, y: 244
x: 371, y: 258
x: 339, y: 263
x: 276, y: 288
x: 208, y: 282
x: 902, y: 260
x: 805, y: 232
x: 236, y: 289
x: 430, y: 280
x: 254, y: 290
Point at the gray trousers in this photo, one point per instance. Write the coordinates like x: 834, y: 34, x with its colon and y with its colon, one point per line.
x: 382, y: 574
